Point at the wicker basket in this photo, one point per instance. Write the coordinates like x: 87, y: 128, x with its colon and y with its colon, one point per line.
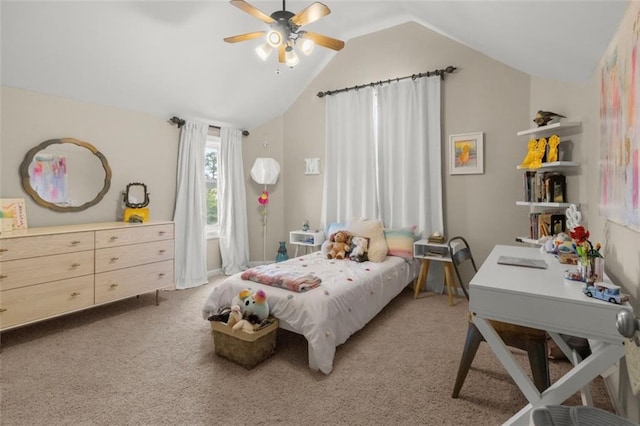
x: 245, y: 349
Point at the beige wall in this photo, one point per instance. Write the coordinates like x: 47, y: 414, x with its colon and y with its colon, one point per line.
x: 483, y: 95
x: 139, y: 148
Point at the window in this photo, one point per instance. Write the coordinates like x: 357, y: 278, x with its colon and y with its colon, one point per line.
x: 211, y: 155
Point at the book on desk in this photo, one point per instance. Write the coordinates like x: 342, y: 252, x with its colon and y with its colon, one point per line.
x: 522, y: 261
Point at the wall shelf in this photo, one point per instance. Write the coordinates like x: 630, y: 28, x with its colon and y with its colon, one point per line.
x: 551, y: 128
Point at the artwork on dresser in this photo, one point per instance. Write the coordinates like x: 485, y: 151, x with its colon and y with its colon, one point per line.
x: 620, y: 124
x: 13, y: 209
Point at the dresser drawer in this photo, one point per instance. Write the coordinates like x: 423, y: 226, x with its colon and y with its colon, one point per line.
x: 133, y: 234
x: 109, y: 259
x: 26, y: 304
x: 44, y: 245
x: 129, y: 282
x: 20, y: 273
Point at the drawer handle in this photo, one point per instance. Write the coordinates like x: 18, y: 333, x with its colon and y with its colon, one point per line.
x: 113, y: 238
x: 161, y: 232
x: 162, y: 251
x: 3, y: 310
x: 113, y: 259
x: 74, y: 294
x: 114, y: 285
x: 3, y: 250
x: 2, y: 277
x: 161, y: 274
x: 75, y: 265
x: 75, y: 243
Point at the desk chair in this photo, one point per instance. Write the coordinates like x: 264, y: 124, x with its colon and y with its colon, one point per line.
x: 531, y: 340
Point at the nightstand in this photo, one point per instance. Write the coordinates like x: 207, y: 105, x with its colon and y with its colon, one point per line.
x: 306, y: 239
x: 428, y: 252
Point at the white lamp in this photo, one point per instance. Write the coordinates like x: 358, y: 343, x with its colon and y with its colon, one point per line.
x: 307, y: 46
x: 264, y: 50
x: 290, y: 57
x: 265, y: 171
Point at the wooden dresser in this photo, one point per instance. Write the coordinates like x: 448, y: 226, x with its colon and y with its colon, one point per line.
x: 50, y: 271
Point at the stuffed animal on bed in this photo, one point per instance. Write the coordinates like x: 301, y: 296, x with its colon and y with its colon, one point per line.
x: 359, y: 248
x: 254, y: 307
x: 339, y: 245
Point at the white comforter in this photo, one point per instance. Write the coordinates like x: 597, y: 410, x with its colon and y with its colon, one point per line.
x: 350, y: 295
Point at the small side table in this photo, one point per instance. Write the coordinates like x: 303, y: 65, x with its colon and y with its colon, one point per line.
x: 306, y: 239
x: 428, y: 252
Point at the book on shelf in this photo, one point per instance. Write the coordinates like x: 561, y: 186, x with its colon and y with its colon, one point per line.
x: 437, y: 239
x: 547, y: 223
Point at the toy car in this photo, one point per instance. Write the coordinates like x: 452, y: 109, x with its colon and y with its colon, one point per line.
x: 605, y: 291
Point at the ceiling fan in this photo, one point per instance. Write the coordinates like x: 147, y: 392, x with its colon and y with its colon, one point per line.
x: 285, y: 31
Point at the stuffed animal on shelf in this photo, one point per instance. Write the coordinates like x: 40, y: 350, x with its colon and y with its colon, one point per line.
x: 359, y: 248
x: 552, y: 153
x: 339, y: 245
x: 531, y: 154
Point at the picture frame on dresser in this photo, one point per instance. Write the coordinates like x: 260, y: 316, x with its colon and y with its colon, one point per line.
x: 466, y: 153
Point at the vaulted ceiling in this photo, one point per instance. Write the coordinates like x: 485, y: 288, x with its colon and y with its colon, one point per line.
x: 168, y: 58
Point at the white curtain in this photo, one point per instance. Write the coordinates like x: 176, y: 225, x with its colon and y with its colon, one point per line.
x: 190, y: 214
x: 232, y: 204
x: 383, y: 155
x: 350, y: 166
x: 409, y: 148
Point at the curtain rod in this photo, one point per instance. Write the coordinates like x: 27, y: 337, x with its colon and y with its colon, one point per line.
x: 180, y: 122
x: 441, y: 72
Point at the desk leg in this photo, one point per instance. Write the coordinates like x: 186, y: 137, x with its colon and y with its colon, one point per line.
x: 296, y: 253
x: 602, y: 357
x: 422, y: 277
x: 575, y: 359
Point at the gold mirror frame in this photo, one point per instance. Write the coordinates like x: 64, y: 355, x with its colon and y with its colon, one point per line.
x: 28, y: 158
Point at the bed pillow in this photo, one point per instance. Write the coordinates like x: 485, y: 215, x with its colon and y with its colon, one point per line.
x: 372, y: 229
x: 333, y: 228
x: 400, y: 241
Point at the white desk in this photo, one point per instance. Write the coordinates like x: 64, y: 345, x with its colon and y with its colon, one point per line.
x: 541, y: 298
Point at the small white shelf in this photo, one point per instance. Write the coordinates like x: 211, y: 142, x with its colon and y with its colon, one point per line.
x: 552, y: 166
x: 550, y: 128
x: 423, y: 249
x: 306, y: 238
x: 549, y: 205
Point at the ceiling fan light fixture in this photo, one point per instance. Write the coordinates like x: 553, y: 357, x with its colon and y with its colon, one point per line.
x: 290, y: 57
x: 274, y: 38
x: 264, y: 50
x: 307, y: 46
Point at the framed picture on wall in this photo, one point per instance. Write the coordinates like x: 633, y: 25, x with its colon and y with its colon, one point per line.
x: 466, y: 154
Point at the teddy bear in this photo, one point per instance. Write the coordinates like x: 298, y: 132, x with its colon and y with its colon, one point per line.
x: 339, y: 245
x: 359, y: 247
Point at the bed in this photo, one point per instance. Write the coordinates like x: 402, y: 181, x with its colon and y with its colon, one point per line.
x: 349, y: 296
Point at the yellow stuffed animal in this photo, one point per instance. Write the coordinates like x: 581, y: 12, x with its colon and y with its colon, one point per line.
x: 339, y: 245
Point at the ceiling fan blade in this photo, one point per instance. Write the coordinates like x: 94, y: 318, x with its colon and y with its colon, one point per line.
x: 244, y: 37
x: 310, y: 14
x: 253, y: 11
x: 281, y: 51
x: 323, y: 40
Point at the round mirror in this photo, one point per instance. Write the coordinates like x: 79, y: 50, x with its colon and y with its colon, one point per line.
x: 65, y: 175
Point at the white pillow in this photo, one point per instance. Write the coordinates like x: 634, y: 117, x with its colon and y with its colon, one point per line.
x: 372, y: 229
